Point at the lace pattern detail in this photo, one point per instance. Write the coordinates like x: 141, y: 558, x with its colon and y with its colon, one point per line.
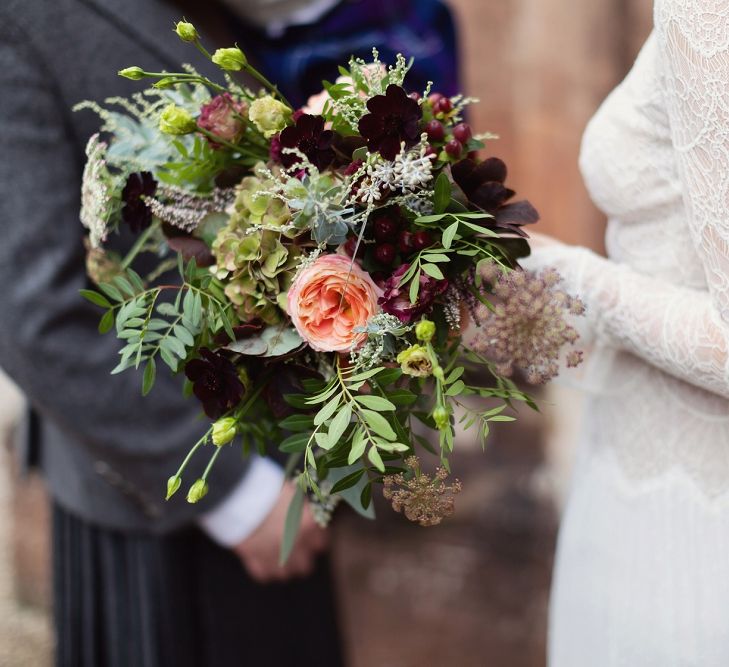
x: 656, y: 160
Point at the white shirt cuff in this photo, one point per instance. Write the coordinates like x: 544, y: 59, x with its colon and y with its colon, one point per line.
x: 248, y: 504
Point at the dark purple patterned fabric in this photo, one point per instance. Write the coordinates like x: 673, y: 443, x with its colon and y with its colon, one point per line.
x: 300, y: 58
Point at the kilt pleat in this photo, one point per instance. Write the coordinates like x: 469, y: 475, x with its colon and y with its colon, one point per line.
x: 124, y: 600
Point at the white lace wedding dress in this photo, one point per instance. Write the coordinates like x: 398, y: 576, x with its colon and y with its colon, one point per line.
x: 642, y: 573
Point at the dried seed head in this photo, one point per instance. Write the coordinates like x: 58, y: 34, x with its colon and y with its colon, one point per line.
x: 423, y: 498
x: 528, y: 327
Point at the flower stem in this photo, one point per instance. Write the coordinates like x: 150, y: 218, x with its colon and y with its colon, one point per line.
x: 139, y: 244
x: 197, y: 446
x: 211, y: 463
x: 267, y: 84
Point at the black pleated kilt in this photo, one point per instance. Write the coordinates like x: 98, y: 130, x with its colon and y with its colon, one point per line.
x: 180, y: 601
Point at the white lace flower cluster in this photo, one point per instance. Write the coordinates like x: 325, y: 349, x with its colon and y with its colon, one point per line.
x: 96, y: 200
x: 383, y: 331
x: 410, y: 172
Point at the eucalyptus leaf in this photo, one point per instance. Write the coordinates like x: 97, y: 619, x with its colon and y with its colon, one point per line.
x: 455, y: 374
x: 322, y: 439
x: 174, y: 346
x: 124, y: 285
x: 184, y: 336
x: 297, y: 423
x: 387, y: 376
x: 374, y: 456
x: 294, y: 443
x: 354, y: 495
x: 111, y: 291
x: 347, y: 481
x: 95, y: 297
x: 339, y: 424
x: 136, y: 280
x: 150, y: 372
x: 414, y: 290
x: 365, y: 375
x: 291, y: 526
x: 167, y: 309
x: 273, y: 341
x: 378, y: 424
x: 359, y: 444
x: 107, y: 322
x: 441, y: 193
x: 433, y: 271
x: 376, y: 403
x: 401, y: 396
x: 449, y: 235
x: 328, y: 410
x: 456, y: 388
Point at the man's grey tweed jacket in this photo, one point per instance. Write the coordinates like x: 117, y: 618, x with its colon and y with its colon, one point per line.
x: 105, y: 452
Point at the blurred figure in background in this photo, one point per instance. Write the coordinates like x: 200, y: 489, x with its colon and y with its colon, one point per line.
x: 299, y: 43
x: 138, y: 581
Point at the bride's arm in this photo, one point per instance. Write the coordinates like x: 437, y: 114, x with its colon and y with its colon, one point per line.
x: 683, y: 331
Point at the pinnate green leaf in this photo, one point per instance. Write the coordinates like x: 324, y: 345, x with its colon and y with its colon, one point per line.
x: 376, y: 403
x: 95, y: 297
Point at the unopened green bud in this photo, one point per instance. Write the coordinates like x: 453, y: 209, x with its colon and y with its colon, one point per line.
x: 231, y: 59
x: 441, y: 418
x: 133, y: 73
x: 186, y: 31
x: 269, y: 115
x: 175, y: 120
x: 425, y: 330
x: 224, y: 430
x: 173, y: 483
x: 167, y: 82
x: 197, y: 491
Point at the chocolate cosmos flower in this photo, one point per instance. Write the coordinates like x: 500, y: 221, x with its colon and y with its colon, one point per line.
x: 310, y: 137
x: 135, y: 211
x: 215, y: 382
x: 396, y: 300
x: 394, y: 117
x: 483, y: 185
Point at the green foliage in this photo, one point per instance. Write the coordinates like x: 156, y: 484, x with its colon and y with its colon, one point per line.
x: 159, y: 322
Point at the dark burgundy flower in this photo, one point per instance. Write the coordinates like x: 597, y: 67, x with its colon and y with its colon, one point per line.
x: 396, y: 300
x: 135, y: 211
x: 274, y: 150
x: 482, y: 184
x: 286, y: 380
x: 214, y: 382
x: 310, y: 137
x: 394, y: 117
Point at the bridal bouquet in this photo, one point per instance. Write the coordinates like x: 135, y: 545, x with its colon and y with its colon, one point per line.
x: 330, y: 259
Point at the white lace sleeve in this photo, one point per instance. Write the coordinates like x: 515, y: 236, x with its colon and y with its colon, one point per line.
x: 683, y: 331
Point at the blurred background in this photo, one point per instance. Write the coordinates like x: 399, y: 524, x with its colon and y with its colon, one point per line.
x: 473, y: 591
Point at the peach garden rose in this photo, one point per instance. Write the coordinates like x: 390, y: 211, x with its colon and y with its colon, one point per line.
x: 324, y: 319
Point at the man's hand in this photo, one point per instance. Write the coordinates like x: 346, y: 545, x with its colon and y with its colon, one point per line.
x: 261, y: 550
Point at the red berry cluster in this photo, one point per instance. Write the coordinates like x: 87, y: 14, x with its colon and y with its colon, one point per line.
x: 453, y: 139
x: 391, y: 238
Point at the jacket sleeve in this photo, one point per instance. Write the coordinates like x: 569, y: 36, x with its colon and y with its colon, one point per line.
x: 49, y: 343
x: 683, y: 331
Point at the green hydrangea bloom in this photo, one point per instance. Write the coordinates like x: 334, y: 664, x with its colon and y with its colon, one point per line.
x: 256, y: 266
